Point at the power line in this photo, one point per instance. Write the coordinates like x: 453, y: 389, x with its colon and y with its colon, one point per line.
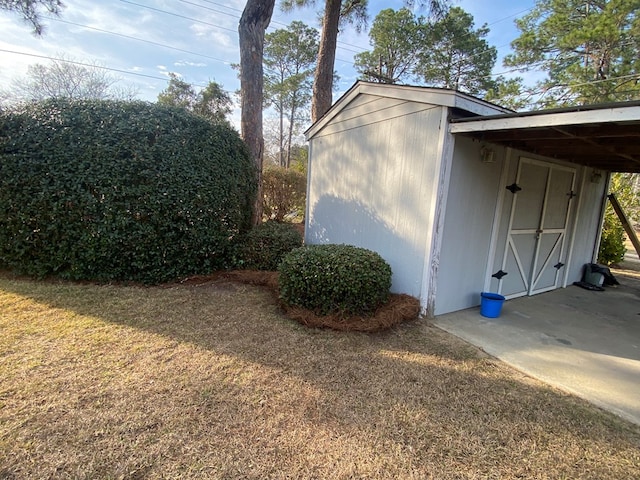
x: 208, y: 8
x: 227, y: 62
x: 127, y: 72
x: 179, y: 16
x: 592, y: 82
x: 140, y: 40
x: 219, y: 26
x: 166, y: 12
x: 83, y: 64
x: 272, y: 22
x: 235, y: 16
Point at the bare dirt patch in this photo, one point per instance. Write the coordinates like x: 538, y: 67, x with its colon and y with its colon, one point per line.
x: 197, y: 381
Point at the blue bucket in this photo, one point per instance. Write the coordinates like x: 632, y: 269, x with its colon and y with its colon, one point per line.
x: 490, y: 304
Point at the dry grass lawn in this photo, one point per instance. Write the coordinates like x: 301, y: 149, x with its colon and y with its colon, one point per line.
x: 211, y: 381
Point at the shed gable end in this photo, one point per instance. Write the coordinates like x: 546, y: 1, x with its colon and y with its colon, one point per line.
x: 368, y: 110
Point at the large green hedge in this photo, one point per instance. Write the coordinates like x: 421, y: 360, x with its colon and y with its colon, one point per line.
x: 119, y: 191
x: 266, y: 244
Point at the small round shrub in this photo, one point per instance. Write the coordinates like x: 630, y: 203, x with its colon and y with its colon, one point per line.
x: 112, y: 190
x: 612, y: 248
x: 335, y: 279
x: 265, y: 245
x: 284, y: 191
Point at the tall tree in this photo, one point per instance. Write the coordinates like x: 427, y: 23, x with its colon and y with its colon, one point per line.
x: 455, y: 55
x: 178, y: 93
x: 323, y: 78
x: 30, y: 10
x: 68, y: 79
x: 589, y: 50
x: 334, y: 11
x: 396, y: 43
x: 212, y: 102
x: 289, y: 58
x: 510, y: 93
x: 253, y: 23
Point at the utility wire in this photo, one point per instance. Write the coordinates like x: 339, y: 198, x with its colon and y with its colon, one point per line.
x: 109, y: 32
x: 362, y: 48
x: 83, y: 64
x: 166, y: 12
x: 55, y: 19
x: 178, y: 15
x: 126, y: 72
x: 235, y: 16
x: 232, y: 15
x: 592, y: 82
x: 227, y: 62
x: 276, y: 22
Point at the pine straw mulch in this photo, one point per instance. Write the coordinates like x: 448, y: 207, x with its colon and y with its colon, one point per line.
x: 398, y: 309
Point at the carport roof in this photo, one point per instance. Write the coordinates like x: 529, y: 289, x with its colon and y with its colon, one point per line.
x: 606, y: 136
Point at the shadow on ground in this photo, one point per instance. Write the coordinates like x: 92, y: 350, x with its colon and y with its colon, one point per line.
x: 411, y: 402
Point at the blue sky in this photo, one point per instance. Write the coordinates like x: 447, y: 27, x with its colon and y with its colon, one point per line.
x: 146, y: 39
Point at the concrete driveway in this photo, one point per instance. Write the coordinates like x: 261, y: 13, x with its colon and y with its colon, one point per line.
x: 581, y: 341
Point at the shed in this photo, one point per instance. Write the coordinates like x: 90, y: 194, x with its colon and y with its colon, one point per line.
x: 462, y: 196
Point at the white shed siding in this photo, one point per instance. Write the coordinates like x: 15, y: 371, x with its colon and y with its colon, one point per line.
x: 587, y: 230
x: 373, y: 177
x: 367, y: 110
x: 387, y: 173
x: 473, y: 193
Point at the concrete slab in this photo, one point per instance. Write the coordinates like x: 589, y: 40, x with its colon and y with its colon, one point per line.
x: 584, y: 342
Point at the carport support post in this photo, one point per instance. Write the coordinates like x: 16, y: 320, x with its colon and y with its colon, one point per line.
x: 625, y: 222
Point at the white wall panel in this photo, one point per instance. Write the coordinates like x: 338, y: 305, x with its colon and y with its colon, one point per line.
x: 587, y: 226
x: 371, y: 187
x: 367, y: 110
x: 472, y: 197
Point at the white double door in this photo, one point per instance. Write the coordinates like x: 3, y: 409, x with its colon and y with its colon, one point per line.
x: 536, y: 248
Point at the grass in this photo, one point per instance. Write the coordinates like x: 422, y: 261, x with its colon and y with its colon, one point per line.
x: 212, y: 381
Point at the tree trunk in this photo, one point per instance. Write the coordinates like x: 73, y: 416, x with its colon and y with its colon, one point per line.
x: 281, y: 133
x: 253, y: 23
x: 323, y: 80
x: 292, y: 116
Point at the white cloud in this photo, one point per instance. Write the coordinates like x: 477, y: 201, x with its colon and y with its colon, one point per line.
x: 220, y: 38
x: 184, y: 63
x: 120, y: 18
